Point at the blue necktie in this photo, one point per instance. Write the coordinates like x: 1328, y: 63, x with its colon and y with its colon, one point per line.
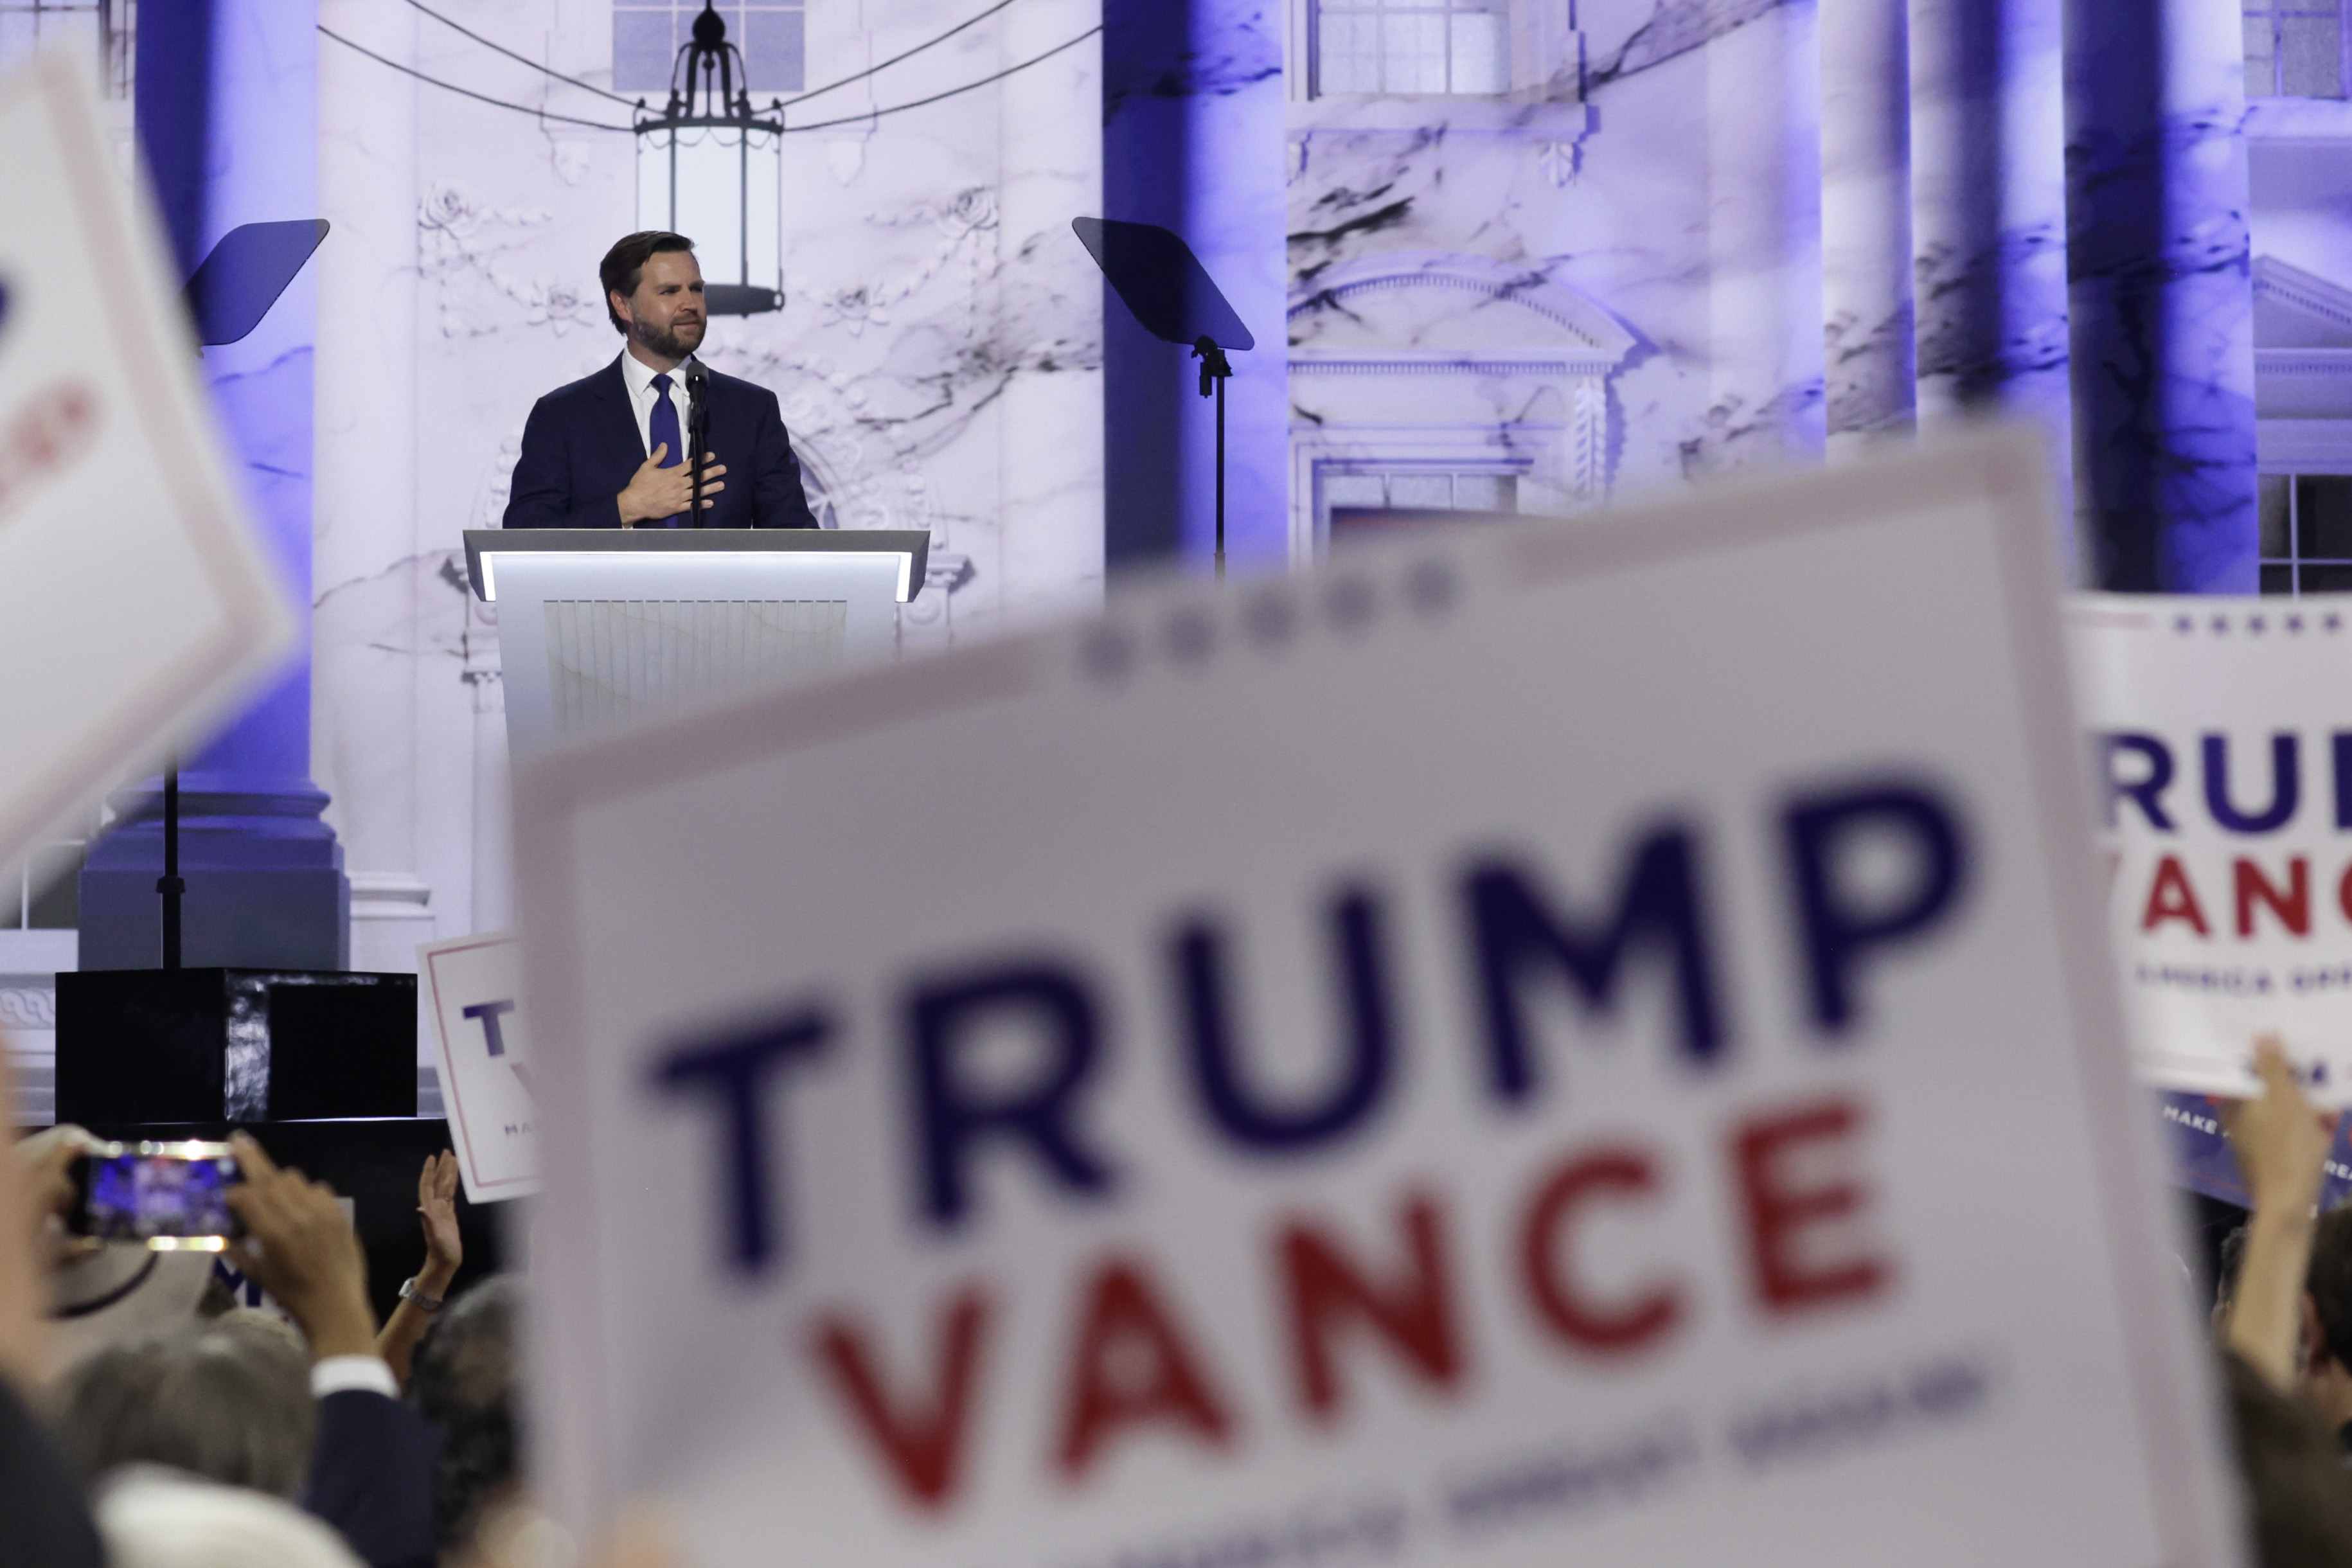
x: 664, y: 430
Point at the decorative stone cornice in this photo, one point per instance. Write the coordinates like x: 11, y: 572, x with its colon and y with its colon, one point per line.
x: 28, y: 1007
x: 2292, y: 285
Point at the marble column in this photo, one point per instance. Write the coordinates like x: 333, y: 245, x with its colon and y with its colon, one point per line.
x: 1762, y: 260
x: 2161, y: 301
x: 1866, y: 310
x: 227, y: 115
x: 378, y: 605
x: 1194, y: 140
x: 1989, y: 222
x: 1050, y: 458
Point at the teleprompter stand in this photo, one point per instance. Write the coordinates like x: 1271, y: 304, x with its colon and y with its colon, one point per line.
x: 1170, y: 293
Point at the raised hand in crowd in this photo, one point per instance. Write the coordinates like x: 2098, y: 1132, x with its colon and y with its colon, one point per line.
x: 43, y: 1190
x: 2298, y: 1497
x: 422, y: 1297
x: 300, y: 1246
x: 372, y: 1463
x: 2282, y: 1147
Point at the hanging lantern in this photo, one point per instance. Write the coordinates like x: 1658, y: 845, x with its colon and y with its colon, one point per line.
x: 711, y: 170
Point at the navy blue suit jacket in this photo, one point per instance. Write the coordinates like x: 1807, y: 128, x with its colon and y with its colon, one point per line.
x: 44, y: 1519
x: 581, y: 449
x: 372, y: 1473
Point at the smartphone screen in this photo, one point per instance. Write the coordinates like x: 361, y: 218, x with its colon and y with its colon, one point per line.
x: 172, y: 1197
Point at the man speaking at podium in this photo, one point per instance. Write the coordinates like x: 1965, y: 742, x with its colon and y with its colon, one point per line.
x: 609, y: 450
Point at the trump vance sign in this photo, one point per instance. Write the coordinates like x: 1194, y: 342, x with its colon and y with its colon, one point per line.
x: 2222, y: 732
x: 136, y: 599
x: 1480, y: 1053
x: 472, y: 986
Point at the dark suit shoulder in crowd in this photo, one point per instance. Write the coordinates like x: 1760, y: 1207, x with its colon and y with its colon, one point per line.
x: 581, y: 449
x: 371, y: 1471
x: 43, y: 1520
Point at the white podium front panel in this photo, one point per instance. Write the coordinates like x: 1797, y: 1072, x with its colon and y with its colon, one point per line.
x: 595, y: 642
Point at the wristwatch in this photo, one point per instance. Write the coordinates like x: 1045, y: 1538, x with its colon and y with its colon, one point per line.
x: 409, y: 1293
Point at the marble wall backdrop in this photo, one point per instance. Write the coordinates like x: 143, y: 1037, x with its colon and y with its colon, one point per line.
x: 937, y: 363
x: 1871, y: 368
x: 1657, y: 160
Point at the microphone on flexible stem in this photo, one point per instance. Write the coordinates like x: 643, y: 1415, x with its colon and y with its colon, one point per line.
x: 697, y: 427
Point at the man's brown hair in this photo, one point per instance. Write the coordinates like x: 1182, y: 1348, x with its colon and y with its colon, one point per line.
x: 624, y: 267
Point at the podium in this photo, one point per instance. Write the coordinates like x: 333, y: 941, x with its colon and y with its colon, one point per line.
x: 599, y: 628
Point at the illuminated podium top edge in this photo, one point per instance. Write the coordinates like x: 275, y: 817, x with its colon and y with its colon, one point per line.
x: 913, y: 545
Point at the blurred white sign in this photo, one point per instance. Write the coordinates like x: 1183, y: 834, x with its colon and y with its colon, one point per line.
x: 136, y: 600
x: 2222, y: 728
x: 1479, y: 1054
x: 481, y: 1042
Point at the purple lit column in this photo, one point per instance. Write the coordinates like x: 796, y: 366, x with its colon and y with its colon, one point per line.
x: 1989, y: 222
x: 2161, y: 301
x: 1193, y: 141
x: 1867, y: 359
x: 227, y: 117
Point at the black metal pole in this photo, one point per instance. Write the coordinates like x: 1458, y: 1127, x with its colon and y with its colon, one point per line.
x: 1215, y: 369
x: 698, y: 431
x: 1220, y: 479
x: 170, y: 884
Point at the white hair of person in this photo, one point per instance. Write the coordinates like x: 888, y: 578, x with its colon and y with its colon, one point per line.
x: 157, y: 1518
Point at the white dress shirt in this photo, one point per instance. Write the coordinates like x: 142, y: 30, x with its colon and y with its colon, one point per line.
x: 342, y: 1373
x: 643, y: 394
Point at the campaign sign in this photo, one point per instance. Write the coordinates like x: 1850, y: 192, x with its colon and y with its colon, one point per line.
x: 1481, y: 1054
x: 473, y: 985
x: 131, y: 577
x: 2222, y: 738
x: 2203, y: 1161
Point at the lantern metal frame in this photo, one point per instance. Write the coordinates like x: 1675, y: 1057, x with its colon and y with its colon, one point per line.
x: 709, y: 90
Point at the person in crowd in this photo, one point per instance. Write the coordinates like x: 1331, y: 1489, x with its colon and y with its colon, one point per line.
x: 2300, y: 1497
x: 2327, y: 1325
x: 242, y: 1403
x: 370, y: 1482
x: 372, y: 1460
x: 464, y: 1384
x: 156, y: 1518
x: 47, y: 1523
x: 421, y: 1296
x: 2225, y: 1281
x: 230, y: 1401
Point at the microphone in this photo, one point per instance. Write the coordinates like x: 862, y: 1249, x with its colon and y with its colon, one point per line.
x: 697, y: 425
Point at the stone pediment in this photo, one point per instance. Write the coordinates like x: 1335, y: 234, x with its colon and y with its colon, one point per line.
x: 1439, y: 306
x: 2298, y: 309
x: 2302, y: 355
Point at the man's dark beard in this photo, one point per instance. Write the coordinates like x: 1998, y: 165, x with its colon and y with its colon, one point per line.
x: 668, y: 343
